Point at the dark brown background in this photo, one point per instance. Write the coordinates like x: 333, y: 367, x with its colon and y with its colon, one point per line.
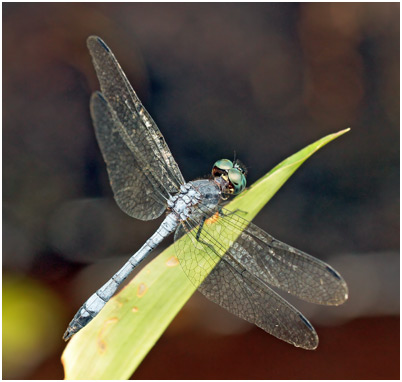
x: 263, y: 80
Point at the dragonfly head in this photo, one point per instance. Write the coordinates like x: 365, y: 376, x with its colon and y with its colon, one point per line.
x: 233, y: 174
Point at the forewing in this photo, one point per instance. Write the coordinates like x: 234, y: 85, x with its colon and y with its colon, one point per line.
x: 137, y: 129
x: 135, y: 193
x: 230, y: 285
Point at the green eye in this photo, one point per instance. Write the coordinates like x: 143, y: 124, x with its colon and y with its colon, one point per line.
x: 224, y: 164
x: 237, y: 179
x: 232, y: 172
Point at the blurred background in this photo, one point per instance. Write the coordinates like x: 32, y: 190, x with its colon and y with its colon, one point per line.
x: 263, y: 80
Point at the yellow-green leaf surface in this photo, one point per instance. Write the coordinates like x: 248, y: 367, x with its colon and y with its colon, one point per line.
x: 117, y: 340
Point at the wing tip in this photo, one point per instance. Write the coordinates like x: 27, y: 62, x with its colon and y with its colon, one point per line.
x: 333, y: 272
x: 343, y: 295
x: 306, y: 322
x: 312, y: 342
x: 97, y: 102
x: 98, y: 95
x: 95, y: 40
x: 342, y: 290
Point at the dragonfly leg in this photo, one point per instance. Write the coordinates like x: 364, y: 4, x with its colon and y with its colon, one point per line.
x: 197, y: 236
x: 200, y: 229
x: 231, y: 212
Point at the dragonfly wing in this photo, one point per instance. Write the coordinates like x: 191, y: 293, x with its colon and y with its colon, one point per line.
x: 135, y: 126
x: 135, y: 193
x: 230, y: 285
x: 246, y: 296
x: 283, y: 266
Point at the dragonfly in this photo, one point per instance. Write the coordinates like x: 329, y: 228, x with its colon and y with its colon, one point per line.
x: 233, y: 262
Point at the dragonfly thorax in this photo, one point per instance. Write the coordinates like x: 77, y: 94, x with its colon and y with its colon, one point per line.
x: 182, y: 203
x: 195, y: 197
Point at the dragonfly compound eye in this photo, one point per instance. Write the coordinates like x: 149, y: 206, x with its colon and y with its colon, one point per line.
x: 222, y: 166
x: 237, y: 180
